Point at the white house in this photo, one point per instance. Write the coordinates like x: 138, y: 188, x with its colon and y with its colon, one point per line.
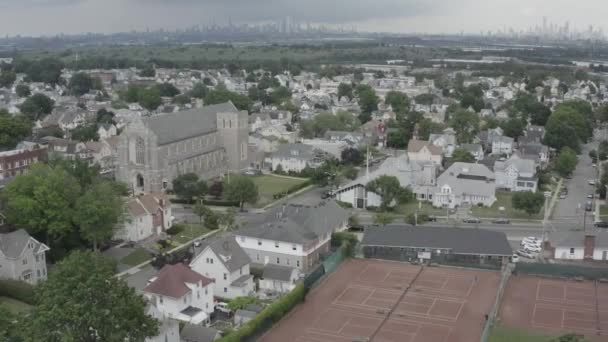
x: 168, y: 329
x: 292, y: 235
x: 421, y: 150
x: 578, y: 245
x: 149, y: 215
x: 182, y: 294
x: 476, y: 150
x: 22, y: 257
x: 465, y: 183
x: 446, y: 140
x: 502, y: 145
x: 516, y: 174
x: 106, y: 130
x: 281, y: 279
x: 227, y: 263
x: 294, y: 157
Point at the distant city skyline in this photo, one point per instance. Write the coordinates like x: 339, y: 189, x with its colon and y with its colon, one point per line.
x: 51, y: 17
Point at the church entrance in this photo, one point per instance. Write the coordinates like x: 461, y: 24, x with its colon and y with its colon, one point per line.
x: 139, y: 182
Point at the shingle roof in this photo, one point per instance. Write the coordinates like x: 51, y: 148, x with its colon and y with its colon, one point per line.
x: 459, y: 240
x: 13, y: 243
x: 197, y: 333
x: 186, y: 124
x: 577, y: 239
x: 522, y: 165
x: 417, y: 145
x: 297, y: 151
x: 468, y: 178
x: 277, y: 272
x: 171, y: 281
x: 230, y: 253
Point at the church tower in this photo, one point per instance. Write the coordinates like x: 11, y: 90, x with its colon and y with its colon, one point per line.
x: 233, y: 130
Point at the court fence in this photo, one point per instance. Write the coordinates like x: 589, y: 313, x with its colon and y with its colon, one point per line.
x: 491, y: 317
x: 562, y: 271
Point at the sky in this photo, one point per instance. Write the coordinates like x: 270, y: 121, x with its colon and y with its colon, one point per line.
x: 49, y: 17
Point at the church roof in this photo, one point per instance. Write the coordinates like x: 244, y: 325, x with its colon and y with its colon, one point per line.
x: 186, y: 124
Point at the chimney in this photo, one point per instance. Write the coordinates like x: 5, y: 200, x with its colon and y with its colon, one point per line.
x: 589, y: 246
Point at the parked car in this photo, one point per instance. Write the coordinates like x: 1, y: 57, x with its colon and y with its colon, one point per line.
x: 527, y: 254
x: 532, y: 248
x: 590, y: 195
x: 471, y: 220
x: 432, y: 218
x: 252, y: 172
x: 223, y: 307
x: 530, y: 239
x: 588, y: 206
x: 601, y: 224
x: 501, y: 221
x: 326, y: 195
x: 591, y: 182
x: 563, y: 195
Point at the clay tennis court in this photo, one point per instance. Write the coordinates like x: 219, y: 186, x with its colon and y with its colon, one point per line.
x: 370, y: 300
x: 556, y: 306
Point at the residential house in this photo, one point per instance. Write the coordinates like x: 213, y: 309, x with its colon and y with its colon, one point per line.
x: 268, y: 144
x: 465, y: 184
x: 516, y: 174
x: 579, y: 245
x: 487, y: 137
x: 421, y: 150
x: 277, y: 278
x: 445, y: 140
x: 66, y: 149
x: 419, y: 176
x: 198, y: 333
x: 22, y: 257
x: 474, y: 149
x: 502, y: 145
x: 17, y: 162
x: 182, y: 294
x: 101, y: 153
x: 292, y: 235
x: 148, y: 215
x: 258, y: 121
x: 354, y: 139
x: 333, y: 148
x: 279, y: 132
x: 295, y: 158
x: 106, y: 130
x: 227, y: 263
x: 168, y: 329
x: 444, y: 245
x: 535, y: 151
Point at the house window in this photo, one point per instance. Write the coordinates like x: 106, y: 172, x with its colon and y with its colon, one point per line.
x: 37, y: 258
x: 225, y: 276
x: 257, y: 257
x: 225, y: 290
x: 24, y: 261
x: 276, y: 244
x: 205, y: 290
x: 298, y: 263
x: 259, y: 243
x: 571, y: 250
x: 198, y: 294
x: 184, y: 300
x: 278, y: 260
x: 27, y: 276
x: 140, y: 148
x: 294, y: 247
x: 160, y: 300
x: 38, y: 273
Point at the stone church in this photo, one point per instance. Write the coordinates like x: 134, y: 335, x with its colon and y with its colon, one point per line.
x: 208, y: 141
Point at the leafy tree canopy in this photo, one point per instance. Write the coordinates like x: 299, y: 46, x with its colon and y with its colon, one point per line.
x: 37, y: 106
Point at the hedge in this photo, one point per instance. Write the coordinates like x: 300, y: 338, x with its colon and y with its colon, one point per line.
x: 292, y: 189
x: 18, y: 290
x: 270, y: 315
x: 220, y: 203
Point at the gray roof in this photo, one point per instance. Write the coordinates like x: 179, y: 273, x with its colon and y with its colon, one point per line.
x: 574, y: 239
x: 296, y: 151
x: 13, y: 243
x: 468, y: 178
x: 198, y: 333
x: 458, y: 240
x: 230, y: 253
x: 186, y: 124
x: 242, y: 280
x: 521, y: 164
x: 277, y: 272
x: 297, y: 223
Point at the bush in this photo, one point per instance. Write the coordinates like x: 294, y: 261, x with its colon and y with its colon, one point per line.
x: 338, y: 239
x: 256, y: 272
x: 175, y: 229
x: 18, y: 290
x: 220, y: 203
x: 271, y: 314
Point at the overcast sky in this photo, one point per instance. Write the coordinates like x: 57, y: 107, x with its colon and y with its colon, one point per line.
x: 47, y: 17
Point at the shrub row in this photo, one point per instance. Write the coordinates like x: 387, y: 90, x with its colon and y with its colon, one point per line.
x: 18, y: 290
x: 220, y: 203
x: 264, y: 320
x: 292, y: 189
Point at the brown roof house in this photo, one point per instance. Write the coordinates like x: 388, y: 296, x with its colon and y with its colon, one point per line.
x: 147, y: 215
x: 182, y: 294
x: 422, y: 150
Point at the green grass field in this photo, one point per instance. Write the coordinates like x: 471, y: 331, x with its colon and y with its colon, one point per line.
x: 190, y: 232
x: 503, y: 199
x: 424, y: 208
x: 269, y: 185
x: 14, y: 305
x: 136, y: 257
x: 503, y: 334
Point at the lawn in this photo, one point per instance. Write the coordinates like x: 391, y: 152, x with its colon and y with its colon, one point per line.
x: 136, y: 257
x: 503, y: 199
x: 269, y: 185
x: 422, y: 207
x: 15, y: 306
x: 603, y: 210
x: 502, y: 334
x: 190, y: 232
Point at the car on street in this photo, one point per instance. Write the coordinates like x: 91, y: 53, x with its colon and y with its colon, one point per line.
x: 563, y: 195
x: 588, y: 206
x: 590, y: 196
x: 471, y: 220
x: 526, y: 254
x: 591, y: 182
x: 532, y: 248
x: 530, y: 239
x: 601, y: 224
x: 501, y: 221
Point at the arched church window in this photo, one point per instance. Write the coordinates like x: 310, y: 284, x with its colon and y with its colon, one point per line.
x: 140, y: 150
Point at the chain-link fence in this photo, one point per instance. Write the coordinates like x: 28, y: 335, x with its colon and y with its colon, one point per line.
x: 562, y: 271
x: 487, y: 329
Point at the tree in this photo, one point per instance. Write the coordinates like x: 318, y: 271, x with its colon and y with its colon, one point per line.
x: 147, y: 71
x: 182, y: 99
x: 83, y: 301
x: 383, y: 218
x: 13, y: 129
x: 42, y: 201
x: 352, y: 156
x: 566, y: 161
x: 105, y: 116
x: 132, y: 94
x: 425, y: 99
x: 11, y: 329
x: 201, y: 210
x: 368, y: 100
x: 462, y: 155
x: 80, y: 83
x: 220, y: 95
x: 350, y: 172
x: 241, y: 189
x: 150, y: 98
x: 387, y: 187
x: 569, y: 125
x: 345, y: 89
x: 23, y: 90
x: 228, y: 218
x: 279, y: 95
x: 7, y: 78
x: 188, y: 187
x: 199, y: 91
x: 530, y: 202
x: 514, y: 127
x: 167, y: 90
x: 37, y: 106
x: 216, y: 189
x: 399, y: 101
x: 241, y: 302
x: 426, y: 127
x: 46, y: 70
x: 99, y: 212
x: 466, y: 125
x: 85, y: 133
